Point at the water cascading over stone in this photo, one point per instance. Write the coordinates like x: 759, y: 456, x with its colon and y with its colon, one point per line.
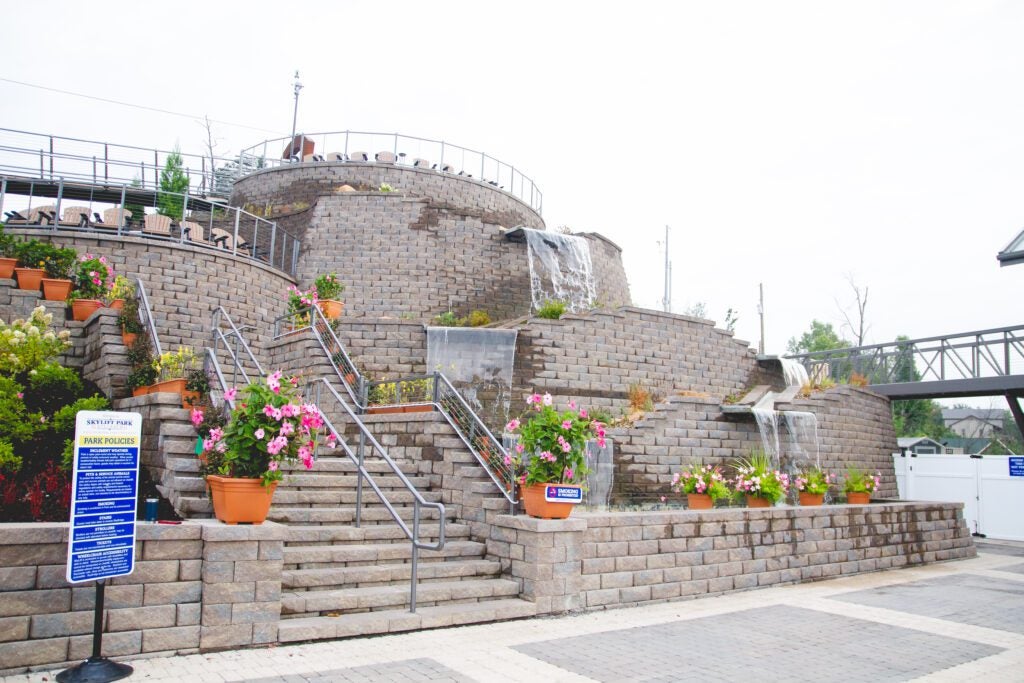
x: 560, y: 270
x: 478, y: 362
x: 802, y: 427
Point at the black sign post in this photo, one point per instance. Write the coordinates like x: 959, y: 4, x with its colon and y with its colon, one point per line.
x: 96, y: 669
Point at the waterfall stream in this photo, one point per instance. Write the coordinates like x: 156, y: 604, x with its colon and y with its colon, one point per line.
x: 560, y: 269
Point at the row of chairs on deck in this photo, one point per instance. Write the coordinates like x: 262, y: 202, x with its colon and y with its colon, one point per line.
x: 152, y: 224
x: 388, y: 158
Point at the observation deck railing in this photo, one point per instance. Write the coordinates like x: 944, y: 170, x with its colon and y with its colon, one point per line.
x: 407, y: 150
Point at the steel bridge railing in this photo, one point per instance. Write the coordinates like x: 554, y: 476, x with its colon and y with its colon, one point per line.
x: 407, y: 150
x: 413, y: 390
x: 997, y: 352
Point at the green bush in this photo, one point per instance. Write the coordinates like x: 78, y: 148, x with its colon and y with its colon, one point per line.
x: 552, y: 310
x: 479, y: 318
x: 447, y: 319
x: 27, y: 344
x: 60, y: 263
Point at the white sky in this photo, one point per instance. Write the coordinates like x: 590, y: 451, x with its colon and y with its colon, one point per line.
x: 789, y: 143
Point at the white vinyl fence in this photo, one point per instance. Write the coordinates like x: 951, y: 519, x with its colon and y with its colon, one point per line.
x: 991, y: 487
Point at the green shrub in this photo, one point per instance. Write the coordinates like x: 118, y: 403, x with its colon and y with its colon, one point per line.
x: 9, y: 462
x: 447, y: 319
x: 27, y: 344
x: 64, y: 418
x: 552, y: 310
x: 479, y: 318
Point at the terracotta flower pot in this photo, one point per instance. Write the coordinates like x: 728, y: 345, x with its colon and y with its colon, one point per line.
x: 116, y: 304
x: 858, y: 497
x: 420, y: 408
x: 537, y: 506
x: 81, y: 309
x: 240, y: 500
x: 385, y: 410
x: 758, y: 502
x: 7, y: 267
x: 811, y: 498
x: 55, y: 289
x: 128, y: 338
x: 331, y: 309
x: 140, y: 391
x: 699, y: 501
x: 189, y: 398
x: 29, y: 278
x: 170, y: 386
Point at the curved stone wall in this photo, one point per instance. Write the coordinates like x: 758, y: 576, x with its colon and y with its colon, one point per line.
x: 185, y: 284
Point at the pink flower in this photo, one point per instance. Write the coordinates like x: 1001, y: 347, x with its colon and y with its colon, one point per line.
x: 583, y: 414
x: 547, y: 399
x: 519, y: 448
x: 572, y: 405
x: 259, y: 433
x: 290, y: 410
x: 535, y: 398
x: 216, y: 433
x: 294, y: 381
x: 567, y: 425
x: 272, y: 466
x: 513, y: 425
x: 230, y: 394
x: 268, y: 410
x: 21, y: 394
x: 287, y: 428
x: 567, y: 473
x: 276, y: 445
x: 276, y: 414
x: 197, y: 416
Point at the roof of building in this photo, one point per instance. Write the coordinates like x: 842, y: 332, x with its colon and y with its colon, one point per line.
x: 969, y: 445
x: 911, y: 441
x: 987, y: 414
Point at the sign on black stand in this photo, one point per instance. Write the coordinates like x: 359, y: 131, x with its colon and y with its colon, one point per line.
x: 101, y: 543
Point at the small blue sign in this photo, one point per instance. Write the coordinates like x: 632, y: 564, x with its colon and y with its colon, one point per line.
x: 554, y: 493
x: 1017, y: 467
x: 104, y: 489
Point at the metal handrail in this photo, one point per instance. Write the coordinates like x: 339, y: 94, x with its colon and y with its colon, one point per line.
x: 461, y: 161
x: 220, y: 338
x: 146, y: 315
x: 211, y: 366
x: 204, y: 223
x: 971, y: 355
x: 358, y: 457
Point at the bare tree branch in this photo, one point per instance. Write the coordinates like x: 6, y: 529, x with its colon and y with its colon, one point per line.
x: 859, y: 327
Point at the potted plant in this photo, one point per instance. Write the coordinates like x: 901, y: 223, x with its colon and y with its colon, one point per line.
x: 552, y: 453
x: 93, y: 278
x: 859, y: 485
x: 197, y: 386
x: 31, y: 268
x: 299, y: 303
x: 812, y: 485
x: 140, y: 357
x: 759, y: 481
x: 328, y: 288
x: 268, y: 427
x: 702, y: 486
x: 131, y: 325
x: 8, y: 254
x: 59, y: 266
x: 172, y: 367
x: 120, y: 291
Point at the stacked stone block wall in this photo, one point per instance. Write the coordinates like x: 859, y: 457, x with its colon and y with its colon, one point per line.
x: 609, y: 274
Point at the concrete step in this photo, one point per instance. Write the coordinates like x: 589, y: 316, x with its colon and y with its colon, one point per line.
x: 374, y: 533
x: 317, y: 603
x: 336, y: 515
x: 310, y: 479
x: 286, y: 496
x: 357, y: 554
x: 390, y: 621
x: 338, y: 465
x: 336, y: 578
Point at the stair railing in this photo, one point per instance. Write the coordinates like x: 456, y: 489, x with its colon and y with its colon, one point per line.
x: 234, y: 345
x: 323, y: 390
x: 146, y: 315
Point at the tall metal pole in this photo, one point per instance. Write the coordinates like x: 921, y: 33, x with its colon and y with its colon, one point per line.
x: 760, y: 312
x: 295, y: 116
x: 666, y: 300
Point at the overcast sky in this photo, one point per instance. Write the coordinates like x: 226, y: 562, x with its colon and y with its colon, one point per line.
x: 793, y: 144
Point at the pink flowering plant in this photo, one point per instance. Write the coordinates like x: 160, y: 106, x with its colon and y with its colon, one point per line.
x: 93, y: 277
x: 552, y: 447
x: 706, y: 479
x: 814, y: 480
x: 757, y: 476
x: 299, y: 303
x: 269, y: 425
x: 859, y: 481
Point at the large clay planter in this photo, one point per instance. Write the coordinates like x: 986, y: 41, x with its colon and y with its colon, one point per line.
x: 140, y: 391
x: 858, y: 498
x: 116, y: 304
x: 240, y: 500
x: 699, y: 501
x: 536, y: 506
x: 55, y: 289
x: 758, y: 502
x: 419, y: 408
x: 811, y: 499
x: 189, y: 399
x: 29, y: 278
x: 385, y: 410
x: 81, y: 309
x: 128, y: 338
x: 330, y: 308
x: 171, y: 386
x: 7, y: 267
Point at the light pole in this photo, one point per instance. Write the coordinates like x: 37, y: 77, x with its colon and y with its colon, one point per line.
x: 295, y: 116
x: 666, y: 300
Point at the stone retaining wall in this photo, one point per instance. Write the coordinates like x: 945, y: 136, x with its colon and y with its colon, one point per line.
x: 196, y: 587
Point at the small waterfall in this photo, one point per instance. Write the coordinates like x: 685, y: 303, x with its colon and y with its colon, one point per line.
x: 560, y: 269
x: 794, y: 372
x: 768, y: 424
x: 478, y: 362
x: 803, y: 438
x: 602, y: 474
x: 799, y: 425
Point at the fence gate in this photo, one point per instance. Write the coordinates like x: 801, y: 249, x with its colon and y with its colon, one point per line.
x: 991, y: 487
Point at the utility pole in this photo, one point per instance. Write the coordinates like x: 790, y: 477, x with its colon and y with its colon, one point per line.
x: 666, y: 300
x: 295, y: 116
x: 760, y: 312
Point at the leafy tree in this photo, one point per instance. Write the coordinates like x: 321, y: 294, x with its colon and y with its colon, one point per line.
x: 821, y: 337
x: 172, y: 180
x: 138, y: 210
x: 919, y: 416
x: 731, y: 317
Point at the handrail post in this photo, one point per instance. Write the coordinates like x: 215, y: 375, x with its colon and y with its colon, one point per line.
x: 415, y: 554
x: 361, y: 455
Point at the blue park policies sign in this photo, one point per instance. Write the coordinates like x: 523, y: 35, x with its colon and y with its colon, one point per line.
x: 104, y: 489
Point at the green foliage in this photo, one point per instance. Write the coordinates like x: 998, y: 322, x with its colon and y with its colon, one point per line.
x: 27, y: 344
x: 757, y: 476
x: 814, y: 480
x: 197, y: 380
x: 551, y: 310
x: 32, y: 253
x: 328, y: 286
x: 123, y: 288
x: 17, y: 422
x: 478, y: 318
x: 708, y: 480
x: 64, y: 419
x: 384, y: 187
x: 915, y: 417
x: 7, y: 244
x: 93, y: 277
x: 731, y: 318
x: 59, y: 263
x: 137, y: 210
x: 860, y: 481
x: 553, y: 443
x: 129, y: 318
x: 9, y: 462
x: 175, y: 364
x: 173, y: 184
x: 52, y: 385
x: 821, y: 337
x: 447, y: 319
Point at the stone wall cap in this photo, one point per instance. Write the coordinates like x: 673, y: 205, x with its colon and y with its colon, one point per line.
x: 540, y: 525
x: 214, y: 530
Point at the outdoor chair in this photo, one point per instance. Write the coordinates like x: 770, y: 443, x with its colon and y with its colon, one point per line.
x: 110, y: 218
x: 336, y: 156
x: 312, y: 157
x: 75, y: 217
x: 420, y: 163
x: 359, y: 156
x: 194, y: 232
x: 385, y: 157
x: 226, y: 241
x: 15, y: 218
x: 157, y: 224
x: 42, y: 215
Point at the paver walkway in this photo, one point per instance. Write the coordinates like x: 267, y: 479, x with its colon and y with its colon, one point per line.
x: 957, y: 621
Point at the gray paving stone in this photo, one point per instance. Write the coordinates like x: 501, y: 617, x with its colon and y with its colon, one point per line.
x: 764, y: 643
x: 406, y: 670
x: 1016, y: 569
x: 963, y: 598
